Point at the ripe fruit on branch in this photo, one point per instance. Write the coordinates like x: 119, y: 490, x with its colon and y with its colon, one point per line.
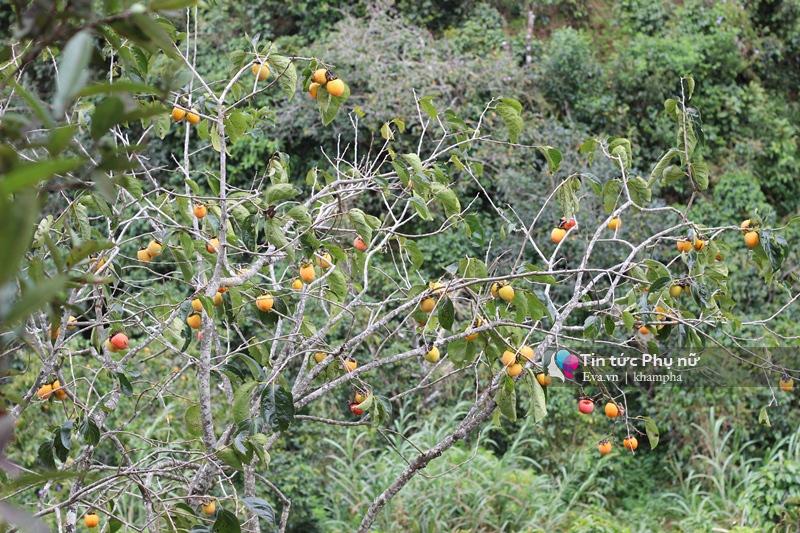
x: 684, y: 246
x: 59, y: 391
x: 320, y: 76
x: 557, y: 235
x: 217, y: 299
x: 260, y: 70
x: 119, y: 341
x: 675, y: 290
x: 506, y: 293
x: 630, y: 443
x: 194, y: 320
x: 307, y: 273
x: 699, y: 244
x: 212, y: 245
x: 193, y: 117
x: 604, y: 447
x: 494, y: 289
x: 526, y: 352
x: 751, y: 239
x: 508, y: 358
x: 786, y: 383
x: 265, y: 302
x: 178, y: 114
x: 644, y: 330
x: 297, y: 284
x: 324, y: 261
x: 44, y: 392
x: 197, y: 305
x: 359, y: 244
x: 143, y: 255
x: 474, y: 335
x: 355, y: 409
x: 319, y: 357
x: 745, y: 225
x: 585, y: 406
x: 200, y: 211
x: 350, y: 364
x: 432, y: 355
x: 335, y: 87
x: 514, y: 370
x: 209, y: 507
x: 427, y: 304
x: 313, y: 88
x: 436, y: 287
x: 544, y: 379
x: 154, y: 248
x: 91, y: 520
x: 612, y: 410
x: 614, y: 224
x: 359, y: 397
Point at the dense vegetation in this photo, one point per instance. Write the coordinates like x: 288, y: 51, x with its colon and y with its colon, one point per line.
x: 546, y: 76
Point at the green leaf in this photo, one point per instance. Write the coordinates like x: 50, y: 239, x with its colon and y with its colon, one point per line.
x: 652, y: 432
x: 538, y: 402
x: 73, y: 71
x: 689, y: 87
x: 260, y: 508
x: 506, y: 399
x: 567, y: 196
x: 446, y: 313
x: 299, y: 213
x: 30, y: 174
x: 414, y: 253
x: 17, y: 218
x: 659, y: 284
x: 763, y: 417
x: 279, y: 192
x: 359, y: 221
x: 157, y: 34
x: 588, y: 148
x: 664, y: 162
x: 164, y: 5
x: 386, y: 132
x: 611, y: 190
x: 640, y: 191
x: 552, y: 156
x: 510, y: 111
x: 337, y: 284
x: 628, y: 320
x: 426, y: 103
x: 237, y: 124
x: 420, y: 207
x: 447, y: 198
x: 284, y: 68
x: 192, y: 420
x: 124, y: 384
x: 277, y: 407
x: 226, y: 522
x: 181, y: 259
x: 34, y: 298
x: 44, y: 455
x: 118, y: 86
x: 700, y: 174
x: 536, y: 309
x: 90, y: 432
x: 241, y: 401
x: 329, y: 105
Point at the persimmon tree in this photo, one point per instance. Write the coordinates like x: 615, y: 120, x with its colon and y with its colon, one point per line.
x: 271, y: 292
